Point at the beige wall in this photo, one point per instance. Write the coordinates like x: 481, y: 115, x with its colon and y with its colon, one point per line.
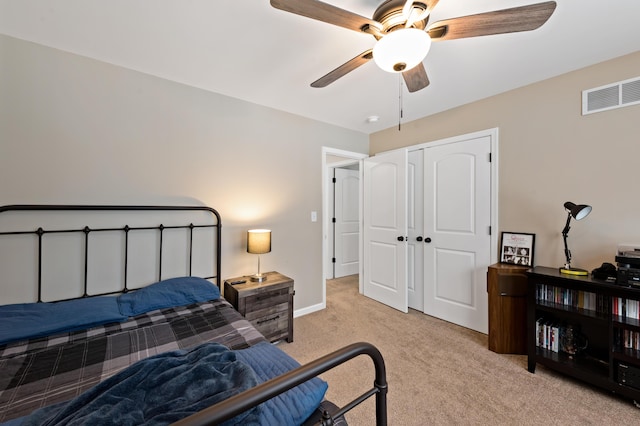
x: 548, y: 154
x: 76, y: 130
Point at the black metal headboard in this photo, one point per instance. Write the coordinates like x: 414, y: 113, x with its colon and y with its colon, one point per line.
x: 214, y: 222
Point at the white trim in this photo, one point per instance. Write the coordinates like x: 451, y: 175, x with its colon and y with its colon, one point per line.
x: 495, y: 240
x: 493, y: 133
x: 345, y: 163
x: 309, y: 310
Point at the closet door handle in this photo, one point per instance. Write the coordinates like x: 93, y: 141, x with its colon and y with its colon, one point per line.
x: 401, y: 238
x: 427, y: 240
x: 418, y: 238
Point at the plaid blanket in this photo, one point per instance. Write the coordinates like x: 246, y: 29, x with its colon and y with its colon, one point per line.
x: 44, y: 371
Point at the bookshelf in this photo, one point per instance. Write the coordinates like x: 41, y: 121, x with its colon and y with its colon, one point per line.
x: 603, y: 319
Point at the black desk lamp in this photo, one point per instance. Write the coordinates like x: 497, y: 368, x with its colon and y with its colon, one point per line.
x: 578, y: 212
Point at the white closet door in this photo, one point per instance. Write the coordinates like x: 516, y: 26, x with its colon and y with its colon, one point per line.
x: 385, y: 229
x: 415, y: 222
x: 457, y: 222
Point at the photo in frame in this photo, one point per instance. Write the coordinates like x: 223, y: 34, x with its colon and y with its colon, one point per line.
x: 517, y: 248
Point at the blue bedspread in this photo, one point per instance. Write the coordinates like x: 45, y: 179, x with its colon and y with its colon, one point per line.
x: 158, y: 390
x: 289, y: 408
x: 168, y: 387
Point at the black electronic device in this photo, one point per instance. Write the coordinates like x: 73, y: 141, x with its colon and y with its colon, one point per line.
x: 628, y: 276
x: 607, y: 271
x: 238, y: 282
x: 628, y: 260
x: 629, y: 375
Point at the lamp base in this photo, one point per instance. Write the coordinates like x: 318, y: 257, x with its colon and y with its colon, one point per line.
x: 258, y: 278
x: 574, y: 271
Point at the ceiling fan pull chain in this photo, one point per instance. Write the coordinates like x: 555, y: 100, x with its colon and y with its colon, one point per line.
x: 400, y: 98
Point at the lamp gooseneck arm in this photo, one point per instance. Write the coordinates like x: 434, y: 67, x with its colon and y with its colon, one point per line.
x: 565, y: 233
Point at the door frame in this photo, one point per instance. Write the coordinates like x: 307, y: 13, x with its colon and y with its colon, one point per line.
x: 349, y: 158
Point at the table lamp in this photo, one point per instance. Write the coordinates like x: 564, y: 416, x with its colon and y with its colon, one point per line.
x: 258, y: 242
x: 577, y: 211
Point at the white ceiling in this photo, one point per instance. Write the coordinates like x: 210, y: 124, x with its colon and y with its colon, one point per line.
x: 251, y: 51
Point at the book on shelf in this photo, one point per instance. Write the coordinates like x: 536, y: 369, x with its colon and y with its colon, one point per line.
x: 548, y: 334
x: 627, y: 339
x: 574, y: 298
x: 626, y: 308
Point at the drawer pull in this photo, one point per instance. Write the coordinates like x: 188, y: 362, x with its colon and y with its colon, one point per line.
x: 268, y: 296
x: 269, y: 319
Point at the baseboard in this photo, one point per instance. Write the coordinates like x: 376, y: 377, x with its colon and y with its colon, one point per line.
x: 309, y: 310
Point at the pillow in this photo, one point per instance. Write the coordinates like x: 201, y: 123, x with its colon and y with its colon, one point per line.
x: 27, y: 320
x: 166, y: 294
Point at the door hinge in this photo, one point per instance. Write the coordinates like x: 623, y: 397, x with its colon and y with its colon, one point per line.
x: 489, y: 157
x: 333, y: 219
x: 334, y: 180
x: 489, y: 229
x: 333, y: 260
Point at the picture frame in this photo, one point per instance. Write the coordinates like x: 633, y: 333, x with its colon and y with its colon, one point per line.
x: 517, y: 248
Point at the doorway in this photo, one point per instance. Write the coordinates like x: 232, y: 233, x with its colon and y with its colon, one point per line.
x: 333, y: 159
x: 344, y: 223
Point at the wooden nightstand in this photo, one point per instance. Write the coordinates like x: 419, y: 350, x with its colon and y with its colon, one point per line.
x: 267, y: 305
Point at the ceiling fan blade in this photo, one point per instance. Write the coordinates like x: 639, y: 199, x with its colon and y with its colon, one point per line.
x: 416, y: 78
x: 344, y: 69
x: 523, y: 18
x: 325, y: 12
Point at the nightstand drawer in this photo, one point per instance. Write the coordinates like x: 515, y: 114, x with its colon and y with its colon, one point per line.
x: 273, y: 326
x: 266, y: 299
x: 267, y: 311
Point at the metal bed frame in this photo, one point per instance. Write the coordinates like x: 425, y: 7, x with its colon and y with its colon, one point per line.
x: 126, y: 229
x: 237, y: 404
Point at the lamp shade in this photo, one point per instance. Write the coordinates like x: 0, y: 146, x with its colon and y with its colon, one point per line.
x: 578, y: 211
x: 401, y: 50
x: 258, y: 241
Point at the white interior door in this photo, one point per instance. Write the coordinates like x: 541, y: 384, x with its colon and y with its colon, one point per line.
x: 457, y: 224
x: 385, y: 229
x: 415, y: 221
x: 347, y: 222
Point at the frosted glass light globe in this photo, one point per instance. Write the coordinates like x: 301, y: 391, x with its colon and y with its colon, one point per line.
x: 401, y: 50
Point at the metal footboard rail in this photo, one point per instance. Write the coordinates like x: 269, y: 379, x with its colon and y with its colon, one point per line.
x: 237, y: 404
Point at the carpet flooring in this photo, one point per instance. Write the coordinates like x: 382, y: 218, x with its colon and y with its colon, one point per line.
x: 440, y: 373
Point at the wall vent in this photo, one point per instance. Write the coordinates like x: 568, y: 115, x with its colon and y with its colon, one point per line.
x: 611, y: 96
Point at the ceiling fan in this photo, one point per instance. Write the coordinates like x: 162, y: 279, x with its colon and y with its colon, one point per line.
x: 404, y: 36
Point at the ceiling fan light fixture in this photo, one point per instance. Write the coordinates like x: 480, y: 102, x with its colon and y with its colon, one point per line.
x: 401, y: 50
